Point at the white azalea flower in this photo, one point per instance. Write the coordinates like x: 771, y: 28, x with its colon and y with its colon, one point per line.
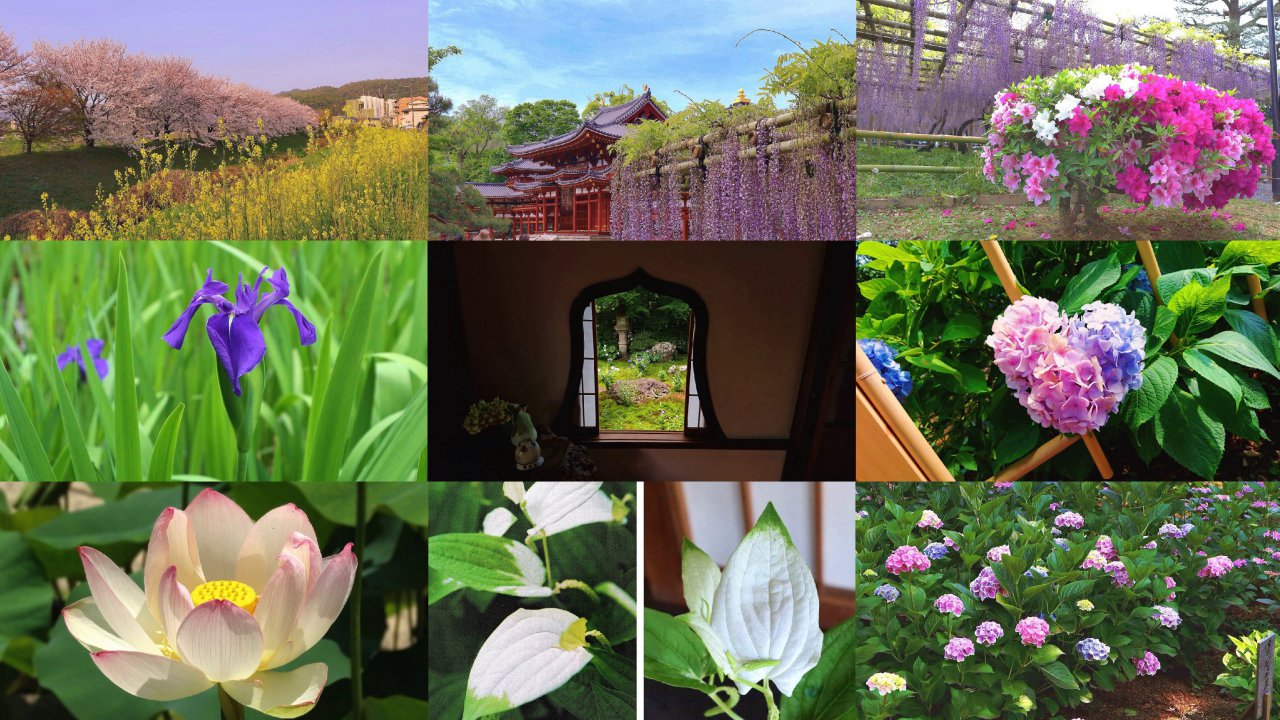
x: 1045, y: 128
x: 1067, y: 106
x: 1095, y: 88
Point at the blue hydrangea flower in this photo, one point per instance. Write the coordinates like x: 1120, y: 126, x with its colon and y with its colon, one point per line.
x: 935, y: 551
x: 1093, y: 649
x: 1062, y: 543
x: 1140, y: 282
x: 888, y: 592
x: 233, y: 330
x: 1041, y: 571
x: 73, y: 355
x: 1116, y: 339
x: 883, y: 358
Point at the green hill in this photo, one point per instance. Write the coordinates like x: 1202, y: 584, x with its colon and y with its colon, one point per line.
x: 328, y: 97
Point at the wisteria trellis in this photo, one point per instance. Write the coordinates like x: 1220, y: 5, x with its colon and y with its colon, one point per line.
x: 901, y: 90
x: 805, y: 194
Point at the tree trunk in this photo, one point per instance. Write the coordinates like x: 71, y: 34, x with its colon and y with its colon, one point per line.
x: 26, y: 146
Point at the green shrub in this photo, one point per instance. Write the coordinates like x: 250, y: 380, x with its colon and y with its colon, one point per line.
x: 1242, y: 669
x: 628, y: 395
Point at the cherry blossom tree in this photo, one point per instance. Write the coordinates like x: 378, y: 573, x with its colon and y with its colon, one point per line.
x: 40, y: 110
x: 11, y: 59
x: 99, y: 75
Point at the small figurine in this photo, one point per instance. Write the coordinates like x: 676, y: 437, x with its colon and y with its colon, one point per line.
x: 525, y: 440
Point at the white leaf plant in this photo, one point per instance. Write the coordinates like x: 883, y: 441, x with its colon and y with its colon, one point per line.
x: 757, y: 621
x: 532, y: 652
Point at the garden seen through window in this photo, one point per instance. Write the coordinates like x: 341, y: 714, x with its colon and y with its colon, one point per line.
x: 640, y: 353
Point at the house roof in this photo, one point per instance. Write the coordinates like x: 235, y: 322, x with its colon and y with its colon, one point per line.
x: 521, y: 165
x: 495, y: 191
x: 611, y: 123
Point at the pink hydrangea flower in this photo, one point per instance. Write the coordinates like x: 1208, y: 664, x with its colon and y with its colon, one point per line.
x: 1094, y: 560
x: 985, y: 586
x: 958, y: 649
x: 906, y: 559
x: 988, y: 633
x: 1069, y: 520
x: 997, y: 552
x: 1216, y: 566
x: 930, y: 519
x: 1148, y: 664
x: 1033, y: 631
x: 949, y: 604
x: 1105, y: 547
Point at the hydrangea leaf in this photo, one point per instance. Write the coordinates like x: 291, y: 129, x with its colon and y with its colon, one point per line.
x: 1205, y: 367
x: 484, y: 562
x: 531, y: 653
x: 1189, y: 435
x: 766, y: 607
x: 1157, y: 382
x: 701, y: 576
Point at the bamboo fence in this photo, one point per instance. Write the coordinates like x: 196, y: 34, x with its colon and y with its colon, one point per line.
x: 891, y: 442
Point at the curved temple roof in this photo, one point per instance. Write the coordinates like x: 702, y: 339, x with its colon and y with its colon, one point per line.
x: 611, y: 122
x: 496, y: 191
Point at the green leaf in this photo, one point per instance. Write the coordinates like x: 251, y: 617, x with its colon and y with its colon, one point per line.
x: 673, y: 654
x: 396, y: 707
x: 1189, y: 435
x: 81, y: 464
x: 25, y: 596
x: 1252, y: 393
x: 1059, y: 675
x: 1199, y: 307
x: 1205, y: 367
x: 118, y: 528
x: 30, y: 451
x: 1161, y: 328
x: 492, y: 564
x: 1085, y: 287
x: 872, y: 289
x: 396, y: 455
x: 407, y: 501
x: 1046, y: 654
x: 1255, y: 330
x: 1169, y: 284
x: 972, y: 379
x: 327, y: 435
x: 826, y: 692
x: 879, y: 250
x: 586, y: 697
x: 1019, y: 441
x: 932, y: 361
x: 1243, y: 251
x: 962, y: 327
x: 128, y: 443
x: 1157, y: 382
x: 161, y: 469
x: 1231, y: 345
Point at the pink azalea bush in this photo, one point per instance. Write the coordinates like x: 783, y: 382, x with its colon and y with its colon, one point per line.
x: 1165, y: 141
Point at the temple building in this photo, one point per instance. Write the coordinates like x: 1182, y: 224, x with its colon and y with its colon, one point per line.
x: 561, y: 185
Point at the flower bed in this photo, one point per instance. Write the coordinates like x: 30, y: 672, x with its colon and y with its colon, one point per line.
x: 1017, y: 600
x: 1071, y: 137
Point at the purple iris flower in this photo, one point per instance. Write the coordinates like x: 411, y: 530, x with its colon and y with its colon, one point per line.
x: 72, y: 355
x: 234, y: 330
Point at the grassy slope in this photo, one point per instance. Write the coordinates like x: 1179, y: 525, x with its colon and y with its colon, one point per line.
x: 328, y: 97
x: 73, y: 174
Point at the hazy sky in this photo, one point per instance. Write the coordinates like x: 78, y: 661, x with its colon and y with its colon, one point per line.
x: 1112, y: 10
x: 520, y: 50
x: 272, y: 44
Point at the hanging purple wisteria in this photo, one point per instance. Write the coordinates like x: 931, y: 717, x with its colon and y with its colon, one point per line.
x: 802, y: 194
x: 988, y: 48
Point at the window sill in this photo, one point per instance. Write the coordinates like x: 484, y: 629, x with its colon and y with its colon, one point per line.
x: 678, y: 441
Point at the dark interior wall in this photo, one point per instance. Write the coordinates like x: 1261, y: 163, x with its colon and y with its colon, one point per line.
x: 760, y: 298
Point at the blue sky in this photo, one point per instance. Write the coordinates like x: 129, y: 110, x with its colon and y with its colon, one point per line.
x: 522, y: 50
x: 273, y: 44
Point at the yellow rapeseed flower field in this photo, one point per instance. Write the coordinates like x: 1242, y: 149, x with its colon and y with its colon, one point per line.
x: 353, y: 183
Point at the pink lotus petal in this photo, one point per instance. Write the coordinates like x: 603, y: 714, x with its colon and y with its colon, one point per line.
x: 173, y: 544
x: 267, y: 539
x: 86, y: 624
x: 220, y: 529
x: 120, y: 600
x: 322, y: 607
x: 281, y: 694
x: 154, y: 677
x: 221, y: 640
x: 174, y: 601
x: 277, y: 611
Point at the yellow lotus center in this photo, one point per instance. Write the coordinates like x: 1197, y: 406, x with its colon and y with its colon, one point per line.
x: 237, y: 592
x: 575, y: 636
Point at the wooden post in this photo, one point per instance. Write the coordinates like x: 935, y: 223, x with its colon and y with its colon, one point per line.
x: 903, y: 427
x: 1007, y: 280
x: 1255, y: 289
x: 1148, y: 255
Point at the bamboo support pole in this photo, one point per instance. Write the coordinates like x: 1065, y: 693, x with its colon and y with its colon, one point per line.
x: 777, y: 121
x: 935, y: 169
x: 748, y: 154
x: 903, y: 426
x: 1038, y: 457
x: 1148, y: 254
x: 1255, y: 289
x: 1007, y: 280
x: 886, y: 135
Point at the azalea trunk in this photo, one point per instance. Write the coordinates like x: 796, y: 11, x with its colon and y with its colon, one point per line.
x: 1081, y: 203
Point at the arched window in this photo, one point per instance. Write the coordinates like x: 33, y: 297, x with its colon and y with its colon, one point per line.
x: 589, y: 407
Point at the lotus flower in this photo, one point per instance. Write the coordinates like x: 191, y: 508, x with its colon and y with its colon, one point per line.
x: 226, y: 601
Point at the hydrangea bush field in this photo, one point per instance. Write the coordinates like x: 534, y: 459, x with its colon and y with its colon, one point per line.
x: 1183, y: 366
x: 1021, y: 600
x: 1076, y: 135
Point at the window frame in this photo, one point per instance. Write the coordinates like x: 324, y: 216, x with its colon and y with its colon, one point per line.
x: 567, y: 421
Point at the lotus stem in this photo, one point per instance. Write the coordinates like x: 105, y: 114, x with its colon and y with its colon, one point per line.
x: 357, y: 649
x: 231, y: 710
